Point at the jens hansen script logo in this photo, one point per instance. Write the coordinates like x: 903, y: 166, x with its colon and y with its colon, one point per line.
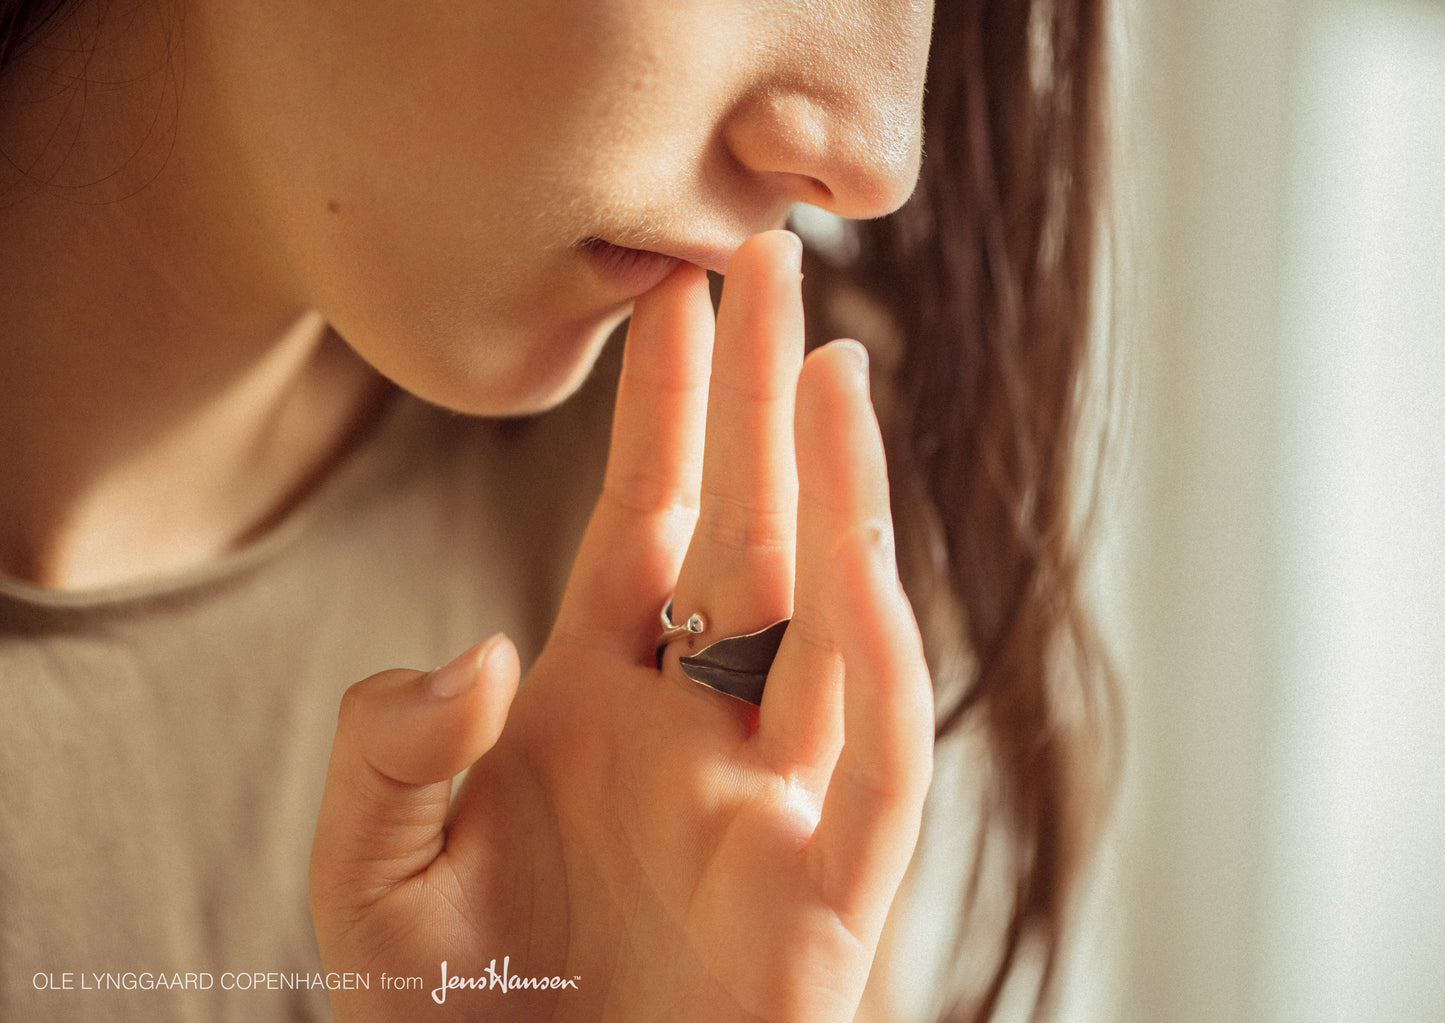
x: 494, y: 980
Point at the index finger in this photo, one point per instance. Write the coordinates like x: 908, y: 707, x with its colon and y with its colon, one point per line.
x: 640, y: 527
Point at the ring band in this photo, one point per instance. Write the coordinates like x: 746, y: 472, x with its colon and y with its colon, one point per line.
x: 693, y: 626
x: 735, y: 666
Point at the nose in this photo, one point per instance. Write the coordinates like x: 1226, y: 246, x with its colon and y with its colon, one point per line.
x: 837, y: 120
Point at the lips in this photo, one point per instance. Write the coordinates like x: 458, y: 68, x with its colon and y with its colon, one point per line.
x: 633, y: 271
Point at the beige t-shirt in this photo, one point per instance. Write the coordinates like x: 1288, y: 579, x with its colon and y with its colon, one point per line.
x: 163, y: 746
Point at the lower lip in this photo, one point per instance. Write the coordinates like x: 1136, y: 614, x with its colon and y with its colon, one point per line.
x: 633, y: 270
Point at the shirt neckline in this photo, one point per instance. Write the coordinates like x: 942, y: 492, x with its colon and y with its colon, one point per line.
x: 364, y: 457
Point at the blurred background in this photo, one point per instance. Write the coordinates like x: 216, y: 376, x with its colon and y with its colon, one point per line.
x: 1273, y: 572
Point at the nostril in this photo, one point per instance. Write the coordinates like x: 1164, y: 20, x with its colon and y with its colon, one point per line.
x: 822, y: 194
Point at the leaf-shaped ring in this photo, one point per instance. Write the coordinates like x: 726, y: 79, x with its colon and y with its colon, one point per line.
x: 735, y: 666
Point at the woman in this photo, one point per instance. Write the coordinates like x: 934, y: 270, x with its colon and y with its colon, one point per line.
x: 217, y: 512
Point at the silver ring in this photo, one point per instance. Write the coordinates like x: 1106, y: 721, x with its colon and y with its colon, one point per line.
x: 692, y: 627
x: 735, y: 666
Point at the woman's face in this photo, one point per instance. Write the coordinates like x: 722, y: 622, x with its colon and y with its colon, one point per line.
x: 455, y: 183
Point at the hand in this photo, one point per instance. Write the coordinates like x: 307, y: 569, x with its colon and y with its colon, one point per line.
x: 663, y: 851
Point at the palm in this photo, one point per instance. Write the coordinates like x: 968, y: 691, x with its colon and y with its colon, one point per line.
x: 686, y: 846
x: 681, y: 854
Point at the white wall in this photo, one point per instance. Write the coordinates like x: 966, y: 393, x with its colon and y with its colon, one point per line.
x: 1354, y: 875
x: 1279, y: 547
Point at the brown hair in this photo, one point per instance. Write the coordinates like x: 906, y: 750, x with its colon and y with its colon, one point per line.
x: 22, y: 22
x: 987, y: 275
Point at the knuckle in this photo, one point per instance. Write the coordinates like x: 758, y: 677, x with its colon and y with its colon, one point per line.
x: 753, y: 390
x: 880, y: 784
x: 827, y: 506
x: 892, y: 775
x: 810, y: 630
x: 739, y: 525
x: 644, y: 491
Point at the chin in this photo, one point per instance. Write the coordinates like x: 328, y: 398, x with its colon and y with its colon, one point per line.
x: 482, y: 380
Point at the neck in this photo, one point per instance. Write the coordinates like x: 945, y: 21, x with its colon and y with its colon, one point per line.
x: 139, y: 436
x: 163, y: 394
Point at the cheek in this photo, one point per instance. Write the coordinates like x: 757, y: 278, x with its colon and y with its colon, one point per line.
x: 419, y: 172
x: 420, y: 114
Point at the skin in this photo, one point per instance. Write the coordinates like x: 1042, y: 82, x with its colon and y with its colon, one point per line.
x: 681, y: 855
x: 260, y: 161
x: 421, y: 176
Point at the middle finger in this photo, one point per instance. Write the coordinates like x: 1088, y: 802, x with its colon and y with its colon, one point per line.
x: 738, y: 572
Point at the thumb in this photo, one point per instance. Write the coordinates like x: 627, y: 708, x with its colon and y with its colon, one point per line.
x: 401, y: 737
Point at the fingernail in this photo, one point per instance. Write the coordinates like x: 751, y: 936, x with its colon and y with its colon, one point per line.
x: 795, y: 252
x: 860, y: 356
x: 460, y: 674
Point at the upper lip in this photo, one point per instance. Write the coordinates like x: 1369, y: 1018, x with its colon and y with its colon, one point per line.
x: 709, y: 257
x: 710, y: 254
